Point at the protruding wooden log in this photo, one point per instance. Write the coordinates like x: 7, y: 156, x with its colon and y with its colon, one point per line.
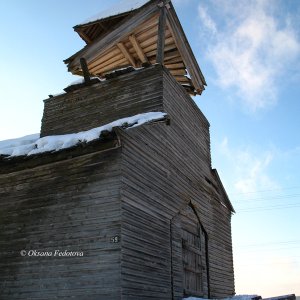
x: 85, y: 70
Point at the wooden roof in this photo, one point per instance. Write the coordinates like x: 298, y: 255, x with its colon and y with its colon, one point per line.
x: 227, y: 203
x: 149, y: 34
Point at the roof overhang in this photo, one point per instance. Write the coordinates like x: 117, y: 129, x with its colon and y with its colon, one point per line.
x: 132, y: 38
x: 227, y: 203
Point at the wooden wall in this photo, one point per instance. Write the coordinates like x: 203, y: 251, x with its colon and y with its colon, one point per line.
x: 209, y: 199
x: 71, y: 204
x: 220, y: 247
x: 90, y: 107
x: 135, y: 192
x: 165, y: 168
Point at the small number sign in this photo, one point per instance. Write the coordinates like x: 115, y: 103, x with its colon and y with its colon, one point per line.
x: 115, y: 239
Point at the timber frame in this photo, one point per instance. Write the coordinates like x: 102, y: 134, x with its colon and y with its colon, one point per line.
x: 148, y: 35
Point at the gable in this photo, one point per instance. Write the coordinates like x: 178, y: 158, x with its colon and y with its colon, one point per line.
x: 135, y: 41
x: 106, y: 20
x: 227, y: 202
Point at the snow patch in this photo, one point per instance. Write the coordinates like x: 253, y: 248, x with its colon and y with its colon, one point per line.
x: 19, y: 146
x: 82, y: 80
x: 58, y: 94
x: 33, y: 144
x: 121, y: 7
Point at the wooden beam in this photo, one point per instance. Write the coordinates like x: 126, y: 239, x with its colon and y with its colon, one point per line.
x: 100, y: 30
x: 112, y: 52
x: 172, y: 54
x: 168, y: 56
x: 126, y: 27
x: 117, y: 65
x: 185, y: 50
x: 175, y: 60
x: 84, y: 37
x: 146, y: 26
x: 85, y: 70
x: 119, y: 57
x: 127, y: 55
x: 177, y: 71
x: 161, y: 36
x: 175, y: 66
x: 120, y: 63
x: 151, y: 50
x: 183, y: 79
x: 139, y: 51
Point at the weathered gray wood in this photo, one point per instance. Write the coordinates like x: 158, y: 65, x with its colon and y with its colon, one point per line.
x: 103, y: 103
x: 127, y: 27
x: 151, y: 187
x: 164, y: 168
x: 161, y: 36
x: 49, y: 207
x: 85, y: 70
x: 147, y: 49
x: 185, y: 50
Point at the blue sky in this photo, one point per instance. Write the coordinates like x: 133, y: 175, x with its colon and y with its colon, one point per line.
x: 249, y: 52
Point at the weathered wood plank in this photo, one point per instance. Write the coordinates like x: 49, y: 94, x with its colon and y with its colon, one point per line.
x: 155, y: 165
x: 128, y: 26
x: 103, y: 103
x: 161, y: 36
x: 48, y: 207
x: 132, y: 193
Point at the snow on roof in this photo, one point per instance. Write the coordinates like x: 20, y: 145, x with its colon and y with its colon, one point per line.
x: 33, y: 144
x: 18, y: 146
x: 121, y: 7
x: 82, y: 80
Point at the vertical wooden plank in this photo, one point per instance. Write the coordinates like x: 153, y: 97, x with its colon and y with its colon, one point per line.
x: 176, y: 252
x: 161, y: 36
x: 85, y: 70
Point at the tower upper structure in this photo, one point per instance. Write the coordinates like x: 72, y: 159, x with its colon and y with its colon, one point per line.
x: 138, y: 33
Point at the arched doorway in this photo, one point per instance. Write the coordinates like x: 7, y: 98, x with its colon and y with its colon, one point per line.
x: 189, y: 259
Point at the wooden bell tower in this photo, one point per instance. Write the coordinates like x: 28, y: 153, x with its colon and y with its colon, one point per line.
x: 144, y: 35
x: 141, y: 202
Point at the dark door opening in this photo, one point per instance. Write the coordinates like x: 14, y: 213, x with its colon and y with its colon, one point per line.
x: 189, y: 253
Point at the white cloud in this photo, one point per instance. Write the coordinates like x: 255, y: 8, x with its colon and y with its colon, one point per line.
x: 251, y: 49
x: 249, y: 168
x: 252, y: 172
x: 180, y: 2
x: 207, y: 20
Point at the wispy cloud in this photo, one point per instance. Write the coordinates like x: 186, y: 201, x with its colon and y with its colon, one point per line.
x: 180, y: 2
x: 249, y: 168
x: 207, y: 20
x: 249, y: 47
